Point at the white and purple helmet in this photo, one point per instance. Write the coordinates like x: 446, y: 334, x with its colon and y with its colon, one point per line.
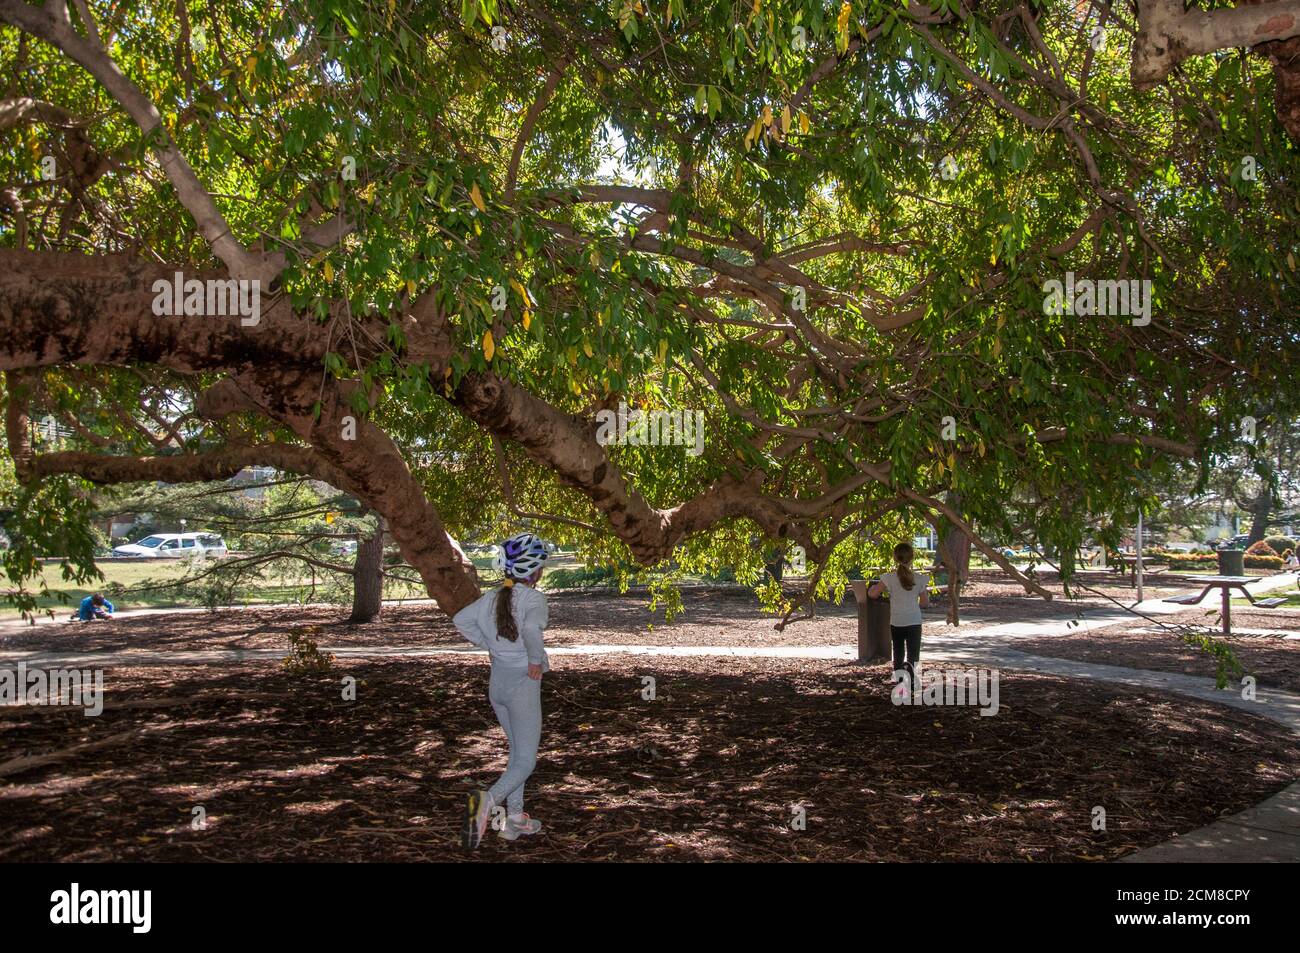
x: 520, y: 556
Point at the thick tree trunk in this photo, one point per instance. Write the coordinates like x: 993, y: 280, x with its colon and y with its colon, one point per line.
x: 955, y: 544
x: 372, y: 469
x: 368, y: 577
x: 953, y: 552
x: 1260, y: 513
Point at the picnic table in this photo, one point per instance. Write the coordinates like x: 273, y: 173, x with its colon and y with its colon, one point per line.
x: 1226, y: 584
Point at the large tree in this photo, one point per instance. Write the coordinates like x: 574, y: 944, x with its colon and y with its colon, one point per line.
x: 476, y: 226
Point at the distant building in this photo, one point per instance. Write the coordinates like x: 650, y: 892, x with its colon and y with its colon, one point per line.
x: 255, y: 475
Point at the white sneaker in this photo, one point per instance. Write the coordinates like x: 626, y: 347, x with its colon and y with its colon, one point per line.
x: 513, y: 830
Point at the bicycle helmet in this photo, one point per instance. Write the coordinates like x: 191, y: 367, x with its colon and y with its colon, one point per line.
x: 520, y: 556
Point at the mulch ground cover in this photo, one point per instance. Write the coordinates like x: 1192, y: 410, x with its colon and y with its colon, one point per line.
x: 714, y: 768
x: 1270, y: 656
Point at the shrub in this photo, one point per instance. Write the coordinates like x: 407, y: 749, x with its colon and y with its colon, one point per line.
x: 1261, y: 548
x: 1186, y: 560
x: 1280, y: 544
x: 304, y: 656
x: 1262, y: 562
x: 579, y: 576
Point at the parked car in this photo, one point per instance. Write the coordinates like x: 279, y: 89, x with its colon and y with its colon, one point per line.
x: 174, y: 546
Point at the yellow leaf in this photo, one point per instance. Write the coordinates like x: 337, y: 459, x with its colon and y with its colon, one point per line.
x: 785, y: 119
x: 586, y: 348
x: 250, y: 64
x: 329, y: 272
x: 842, y: 27
x: 523, y: 292
x: 572, y: 354
x: 663, y: 350
x: 804, y: 124
x: 528, y: 318
x: 489, y: 346
x: 410, y: 286
x: 767, y: 115
x: 476, y: 197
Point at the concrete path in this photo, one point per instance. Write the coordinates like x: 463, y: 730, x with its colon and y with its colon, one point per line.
x: 1268, y: 832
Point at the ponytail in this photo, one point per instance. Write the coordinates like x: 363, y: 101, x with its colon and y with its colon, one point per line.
x: 903, y: 555
x: 505, y: 618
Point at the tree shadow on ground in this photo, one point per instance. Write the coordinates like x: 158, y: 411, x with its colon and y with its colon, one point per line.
x: 716, y: 766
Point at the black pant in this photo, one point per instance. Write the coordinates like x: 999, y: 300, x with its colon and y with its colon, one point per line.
x: 909, y: 635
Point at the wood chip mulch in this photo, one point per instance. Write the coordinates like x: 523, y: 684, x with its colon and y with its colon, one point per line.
x: 714, y: 768
x: 1263, y: 641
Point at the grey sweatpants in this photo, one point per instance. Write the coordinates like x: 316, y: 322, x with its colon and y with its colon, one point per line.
x: 517, y: 700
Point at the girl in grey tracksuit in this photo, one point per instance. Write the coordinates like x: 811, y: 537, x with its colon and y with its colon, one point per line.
x: 509, y: 621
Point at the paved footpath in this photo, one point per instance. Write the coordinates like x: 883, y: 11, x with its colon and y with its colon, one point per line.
x: 1268, y: 832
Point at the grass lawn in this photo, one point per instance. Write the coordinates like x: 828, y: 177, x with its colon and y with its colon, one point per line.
x: 272, y: 588
x: 1292, y: 600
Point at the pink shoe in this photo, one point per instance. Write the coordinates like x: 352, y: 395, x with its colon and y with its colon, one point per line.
x: 513, y: 829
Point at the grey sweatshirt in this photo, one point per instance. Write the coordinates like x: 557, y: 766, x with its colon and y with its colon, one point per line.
x: 477, y: 623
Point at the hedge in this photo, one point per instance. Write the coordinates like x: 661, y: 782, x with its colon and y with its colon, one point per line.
x: 1185, y: 560
x: 1280, y: 544
x: 1263, y: 562
x: 1204, y: 560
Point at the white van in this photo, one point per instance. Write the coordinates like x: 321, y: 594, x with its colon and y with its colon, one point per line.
x: 174, y: 546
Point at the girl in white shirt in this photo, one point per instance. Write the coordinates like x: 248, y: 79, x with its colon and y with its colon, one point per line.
x: 908, y: 595
x: 509, y: 621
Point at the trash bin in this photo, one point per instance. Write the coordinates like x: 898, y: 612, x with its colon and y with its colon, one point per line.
x: 1232, y: 562
x: 873, y: 623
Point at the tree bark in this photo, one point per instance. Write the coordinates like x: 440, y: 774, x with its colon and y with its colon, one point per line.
x: 955, y: 545
x: 1168, y: 34
x: 1260, y: 513
x: 368, y: 577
